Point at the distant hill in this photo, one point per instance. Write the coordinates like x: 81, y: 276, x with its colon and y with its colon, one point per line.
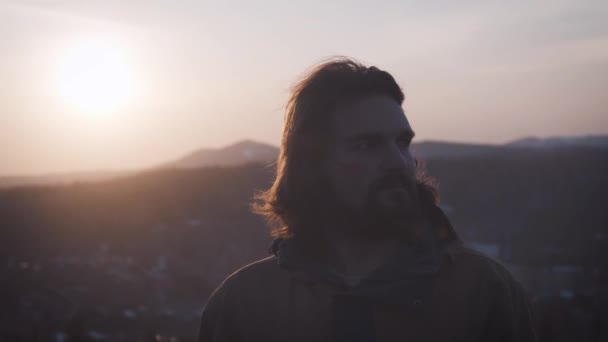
x: 61, y: 178
x: 451, y: 150
x: 240, y: 153
x: 536, y: 197
x: 596, y: 141
x: 440, y: 150
x: 248, y: 151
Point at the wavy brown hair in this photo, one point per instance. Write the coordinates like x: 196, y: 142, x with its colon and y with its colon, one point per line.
x: 293, y: 201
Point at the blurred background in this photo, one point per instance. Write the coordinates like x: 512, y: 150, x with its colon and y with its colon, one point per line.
x: 133, y: 135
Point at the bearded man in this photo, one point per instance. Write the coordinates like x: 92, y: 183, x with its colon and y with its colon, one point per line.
x: 362, y: 250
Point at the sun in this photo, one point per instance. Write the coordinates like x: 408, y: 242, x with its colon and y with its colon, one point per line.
x: 95, y: 78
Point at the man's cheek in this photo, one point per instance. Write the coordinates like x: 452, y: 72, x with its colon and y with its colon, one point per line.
x: 354, y: 178
x: 354, y: 170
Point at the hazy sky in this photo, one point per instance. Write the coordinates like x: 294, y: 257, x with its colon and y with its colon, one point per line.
x: 206, y: 74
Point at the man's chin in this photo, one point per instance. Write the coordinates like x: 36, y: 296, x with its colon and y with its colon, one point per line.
x: 394, y: 194
x: 376, y: 223
x: 405, y: 209
x: 385, y: 228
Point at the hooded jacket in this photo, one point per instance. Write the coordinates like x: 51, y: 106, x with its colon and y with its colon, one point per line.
x: 435, y: 290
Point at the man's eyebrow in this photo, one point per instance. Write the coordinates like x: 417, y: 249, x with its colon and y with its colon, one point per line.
x: 365, y: 136
x: 407, y: 134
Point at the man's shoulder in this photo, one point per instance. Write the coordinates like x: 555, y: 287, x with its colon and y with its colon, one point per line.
x: 481, y: 264
x: 257, y: 268
x: 496, y: 288
x: 241, y: 292
x: 257, y: 272
x: 470, y: 255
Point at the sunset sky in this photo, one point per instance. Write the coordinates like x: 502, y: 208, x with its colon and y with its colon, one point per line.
x: 109, y: 85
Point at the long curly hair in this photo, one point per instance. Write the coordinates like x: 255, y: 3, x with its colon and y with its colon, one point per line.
x: 295, y: 199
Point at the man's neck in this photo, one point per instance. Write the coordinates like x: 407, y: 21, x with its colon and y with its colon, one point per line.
x: 356, y: 257
x: 352, y: 255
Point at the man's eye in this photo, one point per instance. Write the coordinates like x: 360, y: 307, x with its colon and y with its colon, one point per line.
x: 404, y: 142
x: 363, y: 145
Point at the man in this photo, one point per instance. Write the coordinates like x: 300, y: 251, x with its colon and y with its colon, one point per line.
x: 362, y: 250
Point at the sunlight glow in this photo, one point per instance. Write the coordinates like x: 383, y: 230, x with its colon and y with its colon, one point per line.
x: 95, y: 78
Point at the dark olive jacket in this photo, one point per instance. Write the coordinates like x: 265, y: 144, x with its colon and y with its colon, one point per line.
x: 437, y: 290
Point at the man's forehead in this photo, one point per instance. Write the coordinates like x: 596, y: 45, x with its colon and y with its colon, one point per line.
x: 371, y: 115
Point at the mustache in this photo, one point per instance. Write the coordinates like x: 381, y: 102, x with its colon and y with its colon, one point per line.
x: 389, y: 181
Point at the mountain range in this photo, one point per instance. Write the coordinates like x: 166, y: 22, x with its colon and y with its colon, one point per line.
x: 249, y: 151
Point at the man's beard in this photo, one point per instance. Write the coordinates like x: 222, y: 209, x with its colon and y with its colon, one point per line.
x: 390, y: 210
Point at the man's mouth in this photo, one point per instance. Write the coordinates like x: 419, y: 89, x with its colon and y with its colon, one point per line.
x: 393, y: 188
x: 392, y: 182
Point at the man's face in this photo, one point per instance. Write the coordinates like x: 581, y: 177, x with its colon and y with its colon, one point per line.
x: 370, y: 166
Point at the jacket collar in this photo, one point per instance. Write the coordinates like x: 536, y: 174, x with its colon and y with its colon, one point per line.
x: 419, y: 259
